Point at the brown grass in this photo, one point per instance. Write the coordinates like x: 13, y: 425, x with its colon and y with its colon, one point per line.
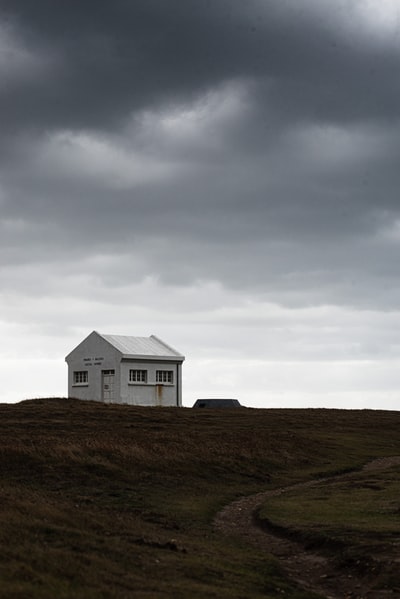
x: 116, y: 501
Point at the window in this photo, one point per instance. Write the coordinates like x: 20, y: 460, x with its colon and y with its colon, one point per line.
x: 164, y: 376
x: 138, y: 376
x: 81, y: 377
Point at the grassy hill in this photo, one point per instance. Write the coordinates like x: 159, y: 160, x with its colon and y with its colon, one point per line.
x: 116, y: 501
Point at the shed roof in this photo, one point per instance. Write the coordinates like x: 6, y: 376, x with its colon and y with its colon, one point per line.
x: 142, y: 346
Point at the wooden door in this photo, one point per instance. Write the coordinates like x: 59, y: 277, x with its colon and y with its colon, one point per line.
x: 107, y: 385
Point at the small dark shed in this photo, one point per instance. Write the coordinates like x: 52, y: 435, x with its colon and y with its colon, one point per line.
x: 217, y: 403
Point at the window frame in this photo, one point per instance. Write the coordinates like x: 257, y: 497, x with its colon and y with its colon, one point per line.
x: 143, y: 376
x: 164, y: 377
x: 80, y: 378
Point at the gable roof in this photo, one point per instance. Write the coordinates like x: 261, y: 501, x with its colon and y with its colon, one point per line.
x: 146, y: 347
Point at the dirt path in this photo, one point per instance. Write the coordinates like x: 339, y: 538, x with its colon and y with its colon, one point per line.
x: 311, y: 570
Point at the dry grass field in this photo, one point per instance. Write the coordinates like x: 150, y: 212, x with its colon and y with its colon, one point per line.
x: 102, y: 501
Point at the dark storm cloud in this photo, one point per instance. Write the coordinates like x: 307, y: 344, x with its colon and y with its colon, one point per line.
x: 98, y: 61
x: 109, y: 59
x: 289, y: 188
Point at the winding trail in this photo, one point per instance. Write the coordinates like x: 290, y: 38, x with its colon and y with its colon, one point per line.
x: 313, y: 571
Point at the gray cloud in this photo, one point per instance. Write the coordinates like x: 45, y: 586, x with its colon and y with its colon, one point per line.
x: 88, y: 65
x: 245, y: 153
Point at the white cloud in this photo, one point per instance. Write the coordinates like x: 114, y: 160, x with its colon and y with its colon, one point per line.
x: 99, y: 159
x: 29, y: 378
x: 380, y: 18
x: 189, y: 130
x: 376, y: 22
x: 286, y: 384
x: 236, y: 345
x: 216, y: 109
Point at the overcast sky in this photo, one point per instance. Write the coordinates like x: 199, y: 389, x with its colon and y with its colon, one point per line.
x: 224, y: 174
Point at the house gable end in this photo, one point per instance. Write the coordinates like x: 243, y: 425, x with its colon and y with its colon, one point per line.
x: 93, y: 344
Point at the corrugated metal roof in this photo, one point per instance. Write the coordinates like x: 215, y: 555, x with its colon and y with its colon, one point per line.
x: 141, y: 346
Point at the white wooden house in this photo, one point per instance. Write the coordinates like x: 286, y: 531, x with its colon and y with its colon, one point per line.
x: 142, y: 371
